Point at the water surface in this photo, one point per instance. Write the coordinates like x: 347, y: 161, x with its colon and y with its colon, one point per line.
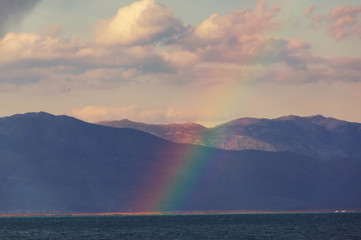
x: 229, y: 226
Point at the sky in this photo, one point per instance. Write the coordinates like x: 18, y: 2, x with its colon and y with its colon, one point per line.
x: 162, y: 61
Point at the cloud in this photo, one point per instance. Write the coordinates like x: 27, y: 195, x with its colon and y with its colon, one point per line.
x: 240, y: 38
x: 144, y: 42
x: 24, y: 46
x: 309, y: 10
x: 52, y: 30
x: 25, y: 54
x: 13, y: 11
x: 343, y: 21
x: 236, y: 25
x: 317, y: 69
x: 346, y: 63
x: 142, y: 22
x: 136, y: 112
x: 181, y: 59
x: 295, y: 44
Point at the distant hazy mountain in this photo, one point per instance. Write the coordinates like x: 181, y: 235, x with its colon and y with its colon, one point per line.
x: 316, y: 136
x: 175, y: 132
x: 60, y: 164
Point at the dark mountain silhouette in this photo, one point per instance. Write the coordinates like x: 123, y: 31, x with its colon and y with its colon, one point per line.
x: 315, y: 136
x: 61, y: 164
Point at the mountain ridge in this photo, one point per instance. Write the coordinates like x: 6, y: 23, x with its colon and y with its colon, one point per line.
x: 176, y: 132
x: 59, y: 164
x: 316, y: 136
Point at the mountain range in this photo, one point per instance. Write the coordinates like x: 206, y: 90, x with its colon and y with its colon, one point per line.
x: 59, y: 164
x: 315, y: 136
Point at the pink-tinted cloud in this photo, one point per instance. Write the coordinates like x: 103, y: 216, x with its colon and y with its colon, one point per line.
x: 24, y: 46
x: 313, y: 19
x: 346, y: 63
x: 129, y: 41
x: 238, y: 24
x: 181, y: 59
x: 317, y: 69
x: 309, y: 10
x: 240, y: 38
x: 155, y: 47
x: 297, y: 44
x: 52, y: 30
x: 35, y: 56
x: 346, y: 10
x: 343, y: 21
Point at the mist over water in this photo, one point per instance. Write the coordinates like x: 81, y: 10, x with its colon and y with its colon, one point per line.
x: 233, y: 226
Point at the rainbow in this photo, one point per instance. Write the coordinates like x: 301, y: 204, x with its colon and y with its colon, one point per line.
x: 181, y: 169
x: 181, y: 179
x: 176, y: 180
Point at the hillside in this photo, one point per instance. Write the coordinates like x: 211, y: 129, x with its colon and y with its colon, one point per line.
x: 180, y: 133
x: 315, y: 136
x: 53, y: 164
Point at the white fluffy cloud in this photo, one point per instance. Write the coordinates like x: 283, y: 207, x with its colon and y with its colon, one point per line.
x: 142, y: 22
x: 32, y: 57
x: 145, y: 42
x: 239, y: 38
x: 236, y: 25
x: 15, y: 47
x: 177, y: 73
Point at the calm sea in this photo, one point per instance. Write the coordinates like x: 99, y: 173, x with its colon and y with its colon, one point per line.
x: 238, y: 226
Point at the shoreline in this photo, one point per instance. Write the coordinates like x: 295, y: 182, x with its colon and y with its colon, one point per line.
x: 181, y: 213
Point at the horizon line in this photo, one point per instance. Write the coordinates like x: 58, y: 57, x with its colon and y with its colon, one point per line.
x: 167, y: 213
